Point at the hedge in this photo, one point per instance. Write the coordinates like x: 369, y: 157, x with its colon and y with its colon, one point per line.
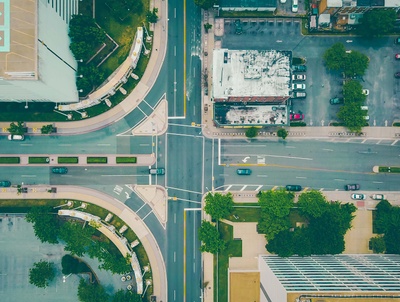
x: 68, y: 160
x: 39, y: 160
x: 9, y: 160
x: 97, y: 160
x: 126, y: 160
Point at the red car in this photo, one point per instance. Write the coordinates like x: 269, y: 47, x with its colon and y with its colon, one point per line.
x: 397, y: 56
x: 296, y: 117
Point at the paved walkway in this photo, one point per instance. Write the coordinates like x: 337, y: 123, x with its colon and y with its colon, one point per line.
x: 107, y: 202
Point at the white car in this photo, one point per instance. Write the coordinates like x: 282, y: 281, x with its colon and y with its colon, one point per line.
x: 298, y: 77
x: 296, y: 86
x: 295, y: 6
x: 14, y: 137
x: 366, y: 117
x: 378, y: 196
x: 365, y: 91
x: 283, y: 1
x: 364, y: 108
x: 358, y: 196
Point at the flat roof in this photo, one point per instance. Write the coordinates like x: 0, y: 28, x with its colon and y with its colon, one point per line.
x: 251, y: 73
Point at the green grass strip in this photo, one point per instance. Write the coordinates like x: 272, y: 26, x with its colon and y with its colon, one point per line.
x: 97, y: 160
x: 39, y: 160
x: 389, y: 169
x: 67, y: 160
x: 126, y: 160
x: 9, y: 160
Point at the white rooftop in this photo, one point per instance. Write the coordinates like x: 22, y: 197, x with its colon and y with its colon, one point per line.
x: 334, y: 3
x: 250, y: 73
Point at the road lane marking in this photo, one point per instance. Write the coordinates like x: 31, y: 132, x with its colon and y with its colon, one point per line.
x: 144, y: 145
x: 26, y: 144
x: 224, y: 175
x: 227, y: 189
x: 147, y: 214
x: 262, y: 175
x: 28, y: 175
x: 174, y: 256
x: 258, y: 188
x: 116, y: 175
x: 321, y: 189
x: 267, y: 155
x: 103, y: 145
x: 338, y: 179
x: 174, y: 217
x: 274, y: 188
x: 329, y: 150
x: 290, y: 147
x: 245, y: 146
x: 64, y: 145
x: 301, y: 177
x: 378, y: 182
x: 395, y: 142
x: 183, y: 190
x: 242, y: 189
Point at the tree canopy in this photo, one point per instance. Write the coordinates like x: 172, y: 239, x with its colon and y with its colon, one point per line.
x: 377, y: 22
x: 312, y: 204
x: 352, y: 92
x: 17, y: 128
x: 387, y: 222
x: 355, y: 64
x: 205, y: 4
x: 218, y: 205
x: 45, y: 224
x: 282, y: 133
x: 91, y: 292
x: 352, y: 117
x: 334, y: 56
x: 77, y: 237
x: 42, y: 273
x: 251, y: 132
x: 126, y: 296
x: 210, y: 238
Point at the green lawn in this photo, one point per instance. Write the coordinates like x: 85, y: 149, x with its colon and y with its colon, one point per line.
x: 392, y: 169
x: 246, y: 213
x: 9, y: 160
x: 97, y: 160
x: 68, y: 160
x: 39, y: 160
x: 126, y: 160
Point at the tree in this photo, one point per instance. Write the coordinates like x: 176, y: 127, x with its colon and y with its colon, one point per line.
x: 334, y: 56
x: 207, y: 27
x: 251, y: 132
x: 91, y: 292
x: 46, y: 129
x: 218, y: 205
x: 352, y: 117
x: 312, y: 203
x: 45, y: 224
x: 115, y: 263
x: 281, y: 244
x: 72, y: 265
x: 382, y: 216
x: 211, y: 240
x: 282, y: 133
x: 355, y: 64
x: 42, y: 273
x: 17, y: 129
x: 377, y: 22
x: 205, y: 4
x: 126, y: 296
x: 352, y: 92
x: 152, y: 16
x: 77, y: 237
x: 378, y: 244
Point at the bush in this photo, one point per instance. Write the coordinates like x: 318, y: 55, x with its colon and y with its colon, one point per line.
x: 39, y: 160
x: 126, y: 160
x: 251, y: 132
x: 298, y: 124
x: 97, y: 160
x: 397, y: 124
x: 282, y: 133
x: 68, y: 160
x: 9, y: 160
x: 298, y: 61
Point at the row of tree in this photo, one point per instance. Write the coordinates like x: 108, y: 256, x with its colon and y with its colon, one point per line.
x: 387, y: 223
x: 96, y: 293
x: 20, y: 129
x: 78, y: 239
x: 353, y: 65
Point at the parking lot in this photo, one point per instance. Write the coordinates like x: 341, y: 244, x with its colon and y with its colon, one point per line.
x: 321, y: 85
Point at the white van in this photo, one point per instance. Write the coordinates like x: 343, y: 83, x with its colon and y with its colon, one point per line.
x: 14, y: 137
x: 295, y: 6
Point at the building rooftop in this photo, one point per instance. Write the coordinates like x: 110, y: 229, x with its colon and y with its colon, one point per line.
x: 251, y: 73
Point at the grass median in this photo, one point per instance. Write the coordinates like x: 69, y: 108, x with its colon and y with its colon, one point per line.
x: 126, y: 160
x: 39, y: 160
x: 97, y: 160
x: 9, y: 160
x: 68, y: 160
x: 389, y: 169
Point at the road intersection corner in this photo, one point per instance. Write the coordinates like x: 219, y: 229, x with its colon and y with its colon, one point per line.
x: 156, y: 197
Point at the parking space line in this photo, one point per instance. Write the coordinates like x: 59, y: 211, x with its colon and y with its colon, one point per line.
x: 244, y: 187
x: 227, y: 189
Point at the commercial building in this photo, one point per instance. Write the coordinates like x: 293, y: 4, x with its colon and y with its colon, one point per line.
x: 35, y: 61
x: 251, y: 88
x: 372, y: 277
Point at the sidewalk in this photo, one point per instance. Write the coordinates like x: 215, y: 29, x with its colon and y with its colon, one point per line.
x: 112, y: 205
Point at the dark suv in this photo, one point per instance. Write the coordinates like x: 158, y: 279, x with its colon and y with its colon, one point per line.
x: 296, y: 188
x: 5, y: 183
x: 59, y: 170
x: 299, y: 68
x: 243, y: 171
x: 352, y: 187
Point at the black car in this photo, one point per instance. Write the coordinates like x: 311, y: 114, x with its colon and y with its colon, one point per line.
x: 295, y: 188
x: 397, y: 75
x: 59, y: 170
x: 352, y: 187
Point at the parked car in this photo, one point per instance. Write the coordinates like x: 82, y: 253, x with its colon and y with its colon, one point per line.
x: 243, y: 171
x: 378, y: 196
x: 297, y: 86
x: 157, y: 171
x: 397, y: 56
x: 299, y: 94
x: 352, y: 187
x: 295, y: 6
x: 295, y: 188
x: 14, y: 137
x: 358, y: 196
x: 336, y: 101
x: 397, y: 75
x: 299, y: 68
x: 59, y: 170
x: 397, y: 40
x: 296, y: 117
x: 366, y: 117
x: 365, y: 108
x: 5, y: 183
x: 365, y: 91
x: 283, y: 1
x: 299, y: 77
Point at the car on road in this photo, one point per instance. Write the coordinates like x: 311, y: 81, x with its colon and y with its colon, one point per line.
x: 397, y: 75
x: 299, y: 94
x: 365, y: 108
x: 397, y: 40
x: 378, y: 196
x: 365, y: 91
x: 297, y: 86
x: 397, y: 56
x: 352, y: 187
x: 243, y: 172
x: 157, y: 171
x: 358, y: 196
x: 297, y: 117
x: 15, y: 137
x: 336, y: 101
x: 299, y: 68
x: 5, y: 183
x: 295, y: 188
x: 299, y: 77
x: 59, y: 170
x: 295, y: 6
x: 282, y: 1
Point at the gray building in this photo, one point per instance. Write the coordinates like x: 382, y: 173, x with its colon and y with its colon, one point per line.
x: 238, y: 5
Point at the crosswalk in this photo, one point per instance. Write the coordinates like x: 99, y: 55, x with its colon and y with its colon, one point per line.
x: 255, y: 188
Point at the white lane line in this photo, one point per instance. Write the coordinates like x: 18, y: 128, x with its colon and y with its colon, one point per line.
x: 26, y: 144
x: 227, y: 189
x: 144, y: 145
x: 245, y: 146
x: 194, y: 267
x: 224, y: 175
x: 174, y: 51
x: 103, y: 144
x: 116, y: 175
x: 174, y: 256
x: 301, y: 177
x: 267, y: 155
x: 338, y: 179
x: 147, y: 215
x: 321, y: 189
x: 329, y: 150
x: 242, y: 189
x: 395, y: 142
x: 174, y: 217
x: 64, y: 145
x: 183, y: 190
x: 378, y: 182
x: 290, y: 147
x: 262, y: 175
x: 28, y: 175
x: 258, y: 188
x: 363, y: 141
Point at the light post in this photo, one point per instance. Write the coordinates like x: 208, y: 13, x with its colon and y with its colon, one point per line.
x: 65, y: 277
x: 26, y: 104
